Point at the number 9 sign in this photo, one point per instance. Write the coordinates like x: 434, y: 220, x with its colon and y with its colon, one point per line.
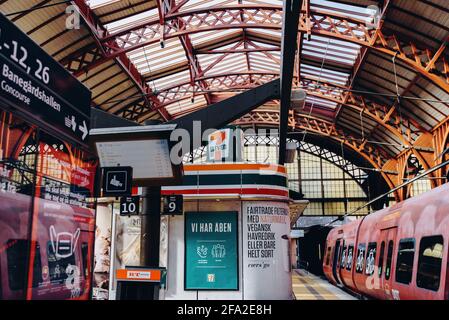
x: 173, y: 205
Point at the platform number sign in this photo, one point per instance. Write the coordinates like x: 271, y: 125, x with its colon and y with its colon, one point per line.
x: 129, y: 206
x: 173, y: 205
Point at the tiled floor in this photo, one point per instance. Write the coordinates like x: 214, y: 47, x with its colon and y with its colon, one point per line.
x: 307, y: 286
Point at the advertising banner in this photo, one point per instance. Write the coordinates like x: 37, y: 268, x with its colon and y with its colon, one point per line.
x: 266, y: 227
x: 211, y: 254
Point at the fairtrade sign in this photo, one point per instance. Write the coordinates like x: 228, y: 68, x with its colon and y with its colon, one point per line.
x: 37, y: 87
x: 211, y: 254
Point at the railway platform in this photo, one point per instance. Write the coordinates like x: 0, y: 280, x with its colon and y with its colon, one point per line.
x: 307, y: 286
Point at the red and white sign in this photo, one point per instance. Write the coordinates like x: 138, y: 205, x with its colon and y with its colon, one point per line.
x: 152, y: 275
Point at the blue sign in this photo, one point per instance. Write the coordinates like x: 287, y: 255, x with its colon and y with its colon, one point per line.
x: 211, y: 254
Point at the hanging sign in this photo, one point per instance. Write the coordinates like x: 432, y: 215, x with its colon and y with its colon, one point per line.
x: 211, y: 254
x: 173, y: 205
x: 129, y: 206
x: 117, y: 181
x: 37, y: 87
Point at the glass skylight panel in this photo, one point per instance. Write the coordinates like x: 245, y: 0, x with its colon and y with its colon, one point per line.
x: 134, y: 20
x: 94, y: 4
x: 171, y: 80
x: 235, y: 61
x: 360, y: 13
x: 322, y: 102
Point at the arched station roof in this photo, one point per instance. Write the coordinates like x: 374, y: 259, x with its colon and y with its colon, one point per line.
x: 376, y: 72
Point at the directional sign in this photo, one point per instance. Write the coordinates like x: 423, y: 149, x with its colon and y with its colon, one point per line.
x: 173, y: 205
x: 129, y: 206
x: 37, y: 87
x: 117, y: 181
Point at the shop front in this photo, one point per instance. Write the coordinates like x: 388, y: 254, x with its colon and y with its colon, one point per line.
x: 232, y: 242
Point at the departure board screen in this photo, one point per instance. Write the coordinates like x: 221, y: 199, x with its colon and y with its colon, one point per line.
x: 150, y: 159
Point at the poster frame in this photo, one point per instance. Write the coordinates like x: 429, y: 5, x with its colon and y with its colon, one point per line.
x: 237, y: 261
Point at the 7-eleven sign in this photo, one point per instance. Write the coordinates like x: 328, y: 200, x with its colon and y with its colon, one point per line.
x: 219, y: 145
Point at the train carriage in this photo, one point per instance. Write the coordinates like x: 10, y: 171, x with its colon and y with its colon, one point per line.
x: 398, y: 253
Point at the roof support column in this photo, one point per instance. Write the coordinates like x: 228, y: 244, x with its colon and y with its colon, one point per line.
x: 291, y: 11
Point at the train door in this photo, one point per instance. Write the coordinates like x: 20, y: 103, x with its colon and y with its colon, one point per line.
x: 385, y: 267
x: 335, y: 262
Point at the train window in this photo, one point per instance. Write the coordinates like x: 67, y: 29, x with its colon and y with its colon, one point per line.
x: 389, y: 258
x: 343, y: 257
x: 17, y: 254
x: 370, y: 258
x: 328, y: 255
x: 360, y: 258
x: 381, y: 259
x: 429, y: 264
x: 85, y: 250
x: 350, y: 257
x: 58, y: 263
x: 404, y: 267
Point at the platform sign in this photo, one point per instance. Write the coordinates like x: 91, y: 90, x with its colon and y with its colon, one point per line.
x: 117, y: 181
x: 211, y: 251
x: 129, y: 206
x: 35, y: 86
x: 173, y: 204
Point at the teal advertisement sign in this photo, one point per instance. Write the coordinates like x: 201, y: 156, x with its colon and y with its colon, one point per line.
x: 211, y: 257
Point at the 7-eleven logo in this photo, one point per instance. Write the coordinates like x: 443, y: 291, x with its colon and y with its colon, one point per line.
x: 218, y: 146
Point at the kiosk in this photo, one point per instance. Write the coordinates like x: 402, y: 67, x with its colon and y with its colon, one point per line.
x: 233, y: 241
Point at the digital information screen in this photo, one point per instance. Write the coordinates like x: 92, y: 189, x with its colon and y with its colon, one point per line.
x: 150, y: 159
x: 144, y: 148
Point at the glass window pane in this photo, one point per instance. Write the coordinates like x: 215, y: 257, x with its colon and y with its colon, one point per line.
x: 334, y: 189
x: 381, y: 259
x: 404, y: 267
x: 370, y: 258
x: 350, y: 257
x: 429, y: 264
x: 389, y: 258
x: 312, y: 189
x: 360, y: 258
x: 334, y: 208
x: 314, y: 209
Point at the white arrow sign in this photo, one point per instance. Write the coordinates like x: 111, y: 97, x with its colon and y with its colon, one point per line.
x: 84, y: 130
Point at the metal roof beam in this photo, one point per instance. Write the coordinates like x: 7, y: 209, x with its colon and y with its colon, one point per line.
x: 267, y: 17
x: 381, y: 114
x: 98, y: 31
x: 291, y: 10
x: 218, y: 115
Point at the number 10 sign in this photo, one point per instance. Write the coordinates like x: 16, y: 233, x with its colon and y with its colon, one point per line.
x: 129, y: 206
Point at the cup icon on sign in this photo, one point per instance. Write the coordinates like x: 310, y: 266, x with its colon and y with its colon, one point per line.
x: 63, y: 243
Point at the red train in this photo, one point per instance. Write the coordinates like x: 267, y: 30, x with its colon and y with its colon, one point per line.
x: 398, y: 253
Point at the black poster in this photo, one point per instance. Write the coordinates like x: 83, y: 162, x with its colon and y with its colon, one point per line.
x: 38, y: 87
